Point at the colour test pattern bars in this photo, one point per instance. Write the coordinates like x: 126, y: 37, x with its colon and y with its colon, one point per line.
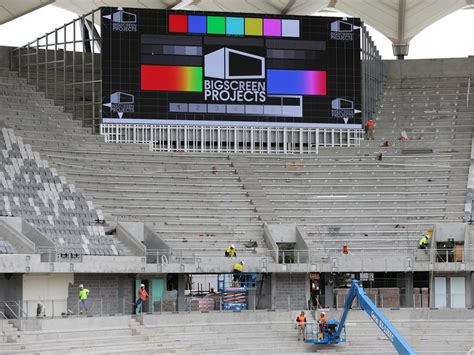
x: 233, y: 26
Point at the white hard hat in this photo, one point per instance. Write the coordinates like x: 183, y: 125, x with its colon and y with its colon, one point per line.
x: 323, y: 313
x: 81, y: 286
x: 232, y: 246
x: 242, y: 262
x: 142, y: 285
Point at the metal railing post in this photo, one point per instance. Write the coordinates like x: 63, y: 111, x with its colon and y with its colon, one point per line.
x: 468, y: 91
x: 55, y: 61
x: 92, y: 36
x: 19, y: 61
x: 83, y: 87
x: 28, y: 64
x: 46, y: 67
x: 64, y: 66
x: 37, y: 64
x: 74, y: 69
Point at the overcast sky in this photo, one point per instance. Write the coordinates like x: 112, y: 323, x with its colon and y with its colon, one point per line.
x: 452, y: 36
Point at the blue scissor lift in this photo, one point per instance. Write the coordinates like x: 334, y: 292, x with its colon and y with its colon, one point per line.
x: 235, y: 293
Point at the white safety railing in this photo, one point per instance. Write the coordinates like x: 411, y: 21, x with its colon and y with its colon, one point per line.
x: 216, y: 139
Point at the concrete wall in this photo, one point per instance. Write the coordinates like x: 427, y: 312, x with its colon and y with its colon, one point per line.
x: 443, y: 231
x: 108, y: 292
x: 51, y: 289
x: 296, y: 286
x: 429, y: 68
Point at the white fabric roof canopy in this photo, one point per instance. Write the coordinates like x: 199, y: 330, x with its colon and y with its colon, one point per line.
x: 399, y: 20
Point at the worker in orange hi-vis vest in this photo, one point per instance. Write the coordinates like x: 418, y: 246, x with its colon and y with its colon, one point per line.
x: 301, y: 325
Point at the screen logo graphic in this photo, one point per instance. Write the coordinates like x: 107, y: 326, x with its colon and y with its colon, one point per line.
x: 123, y: 21
x: 342, y: 30
x: 121, y: 102
x: 232, y: 75
x: 342, y: 108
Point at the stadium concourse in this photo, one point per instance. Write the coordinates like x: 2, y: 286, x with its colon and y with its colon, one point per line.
x: 113, y: 208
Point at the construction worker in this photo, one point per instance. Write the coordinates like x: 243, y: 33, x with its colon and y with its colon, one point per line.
x: 83, y: 295
x: 424, y: 241
x: 301, y: 325
x: 370, y: 129
x: 142, y: 297
x: 231, y: 251
x: 322, y: 324
x: 238, y: 268
x: 40, y: 310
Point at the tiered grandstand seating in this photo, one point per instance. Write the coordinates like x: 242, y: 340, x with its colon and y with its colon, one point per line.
x: 347, y: 196
x: 36, y: 192
x: 342, y: 196
x: 195, y: 203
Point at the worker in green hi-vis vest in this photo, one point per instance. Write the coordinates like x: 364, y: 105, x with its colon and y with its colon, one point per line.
x: 83, y: 294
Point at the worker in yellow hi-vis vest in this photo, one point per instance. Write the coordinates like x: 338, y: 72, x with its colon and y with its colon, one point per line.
x: 231, y: 251
x: 238, y: 268
x: 83, y: 294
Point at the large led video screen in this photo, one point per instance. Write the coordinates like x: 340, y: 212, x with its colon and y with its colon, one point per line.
x: 230, y: 69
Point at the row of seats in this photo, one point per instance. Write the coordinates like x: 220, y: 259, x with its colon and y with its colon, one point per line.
x: 36, y: 192
x: 6, y: 247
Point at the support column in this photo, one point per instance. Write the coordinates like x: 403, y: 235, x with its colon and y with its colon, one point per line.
x: 273, y: 292
x: 470, y: 290
x: 328, y: 291
x: 181, y: 306
x: 405, y: 281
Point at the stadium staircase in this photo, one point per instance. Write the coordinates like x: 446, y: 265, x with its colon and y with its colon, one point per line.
x: 245, y: 332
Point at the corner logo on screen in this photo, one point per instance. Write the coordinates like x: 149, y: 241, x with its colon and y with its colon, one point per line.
x: 342, y: 30
x: 231, y: 75
x: 121, y: 102
x: 342, y: 108
x: 123, y: 21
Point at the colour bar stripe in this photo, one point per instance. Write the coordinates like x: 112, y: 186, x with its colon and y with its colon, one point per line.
x: 178, y: 23
x: 272, y: 27
x: 171, y: 78
x: 233, y: 26
x: 296, y: 82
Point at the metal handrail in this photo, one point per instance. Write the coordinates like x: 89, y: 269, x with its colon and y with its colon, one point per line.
x: 183, y: 256
x: 468, y: 91
x: 314, y: 255
x: 20, y: 308
x: 10, y: 309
